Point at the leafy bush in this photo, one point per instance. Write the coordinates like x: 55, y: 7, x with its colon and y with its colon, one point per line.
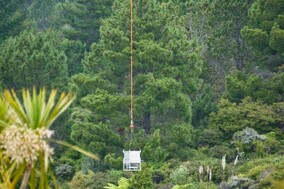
x: 92, y: 180
x: 220, y: 150
x: 113, y: 162
x: 247, y: 136
x: 123, y: 183
x: 142, y: 179
x: 180, y: 176
x: 64, y: 172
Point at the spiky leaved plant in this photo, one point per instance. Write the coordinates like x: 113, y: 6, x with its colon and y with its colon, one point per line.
x: 24, y: 135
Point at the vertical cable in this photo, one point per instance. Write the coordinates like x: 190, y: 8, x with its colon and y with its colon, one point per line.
x: 131, y: 66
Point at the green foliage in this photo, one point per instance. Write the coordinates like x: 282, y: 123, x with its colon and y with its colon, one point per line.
x: 152, y: 151
x: 268, y: 170
x: 113, y: 162
x: 80, y: 180
x: 269, y: 90
x: 165, y: 101
x: 11, y: 16
x: 203, y: 105
x: 196, y: 186
x: 178, y: 125
x: 123, y: 183
x: 69, y: 157
x: 33, y: 60
x: 232, y: 117
x: 177, y: 140
x: 35, y: 111
x: 64, y: 172
x: 151, y: 46
x: 218, y: 151
x: 265, y: 31
x: 201, y: 137
x: 108, y: 107
x: 226, y: 48
x: 272, y: 145
x: 166, y: 70
x: 74, y: 51
x: 250, y: 142
x: 180, y: 176
x: 98, y: 138
x: 161, y: 103
x: 142, y: 179
x: 247, y: 136
x: 81, y: 19
x: 91, y: 180
x: 39, y: 14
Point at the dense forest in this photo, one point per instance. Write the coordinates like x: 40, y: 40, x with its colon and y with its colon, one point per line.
x: 208, y: 88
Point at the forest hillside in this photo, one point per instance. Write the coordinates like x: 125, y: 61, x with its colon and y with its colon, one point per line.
x: 208, y: 89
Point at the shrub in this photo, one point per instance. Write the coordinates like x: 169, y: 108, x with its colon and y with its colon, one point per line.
x: 180, y: 176
x: 142, y: 179
x: 64, y: 172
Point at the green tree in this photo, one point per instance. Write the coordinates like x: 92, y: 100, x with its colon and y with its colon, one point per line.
x: 162, y: 61
x: 81, y: 19
x: 203, y: 104
x: 97, y: 138
x: 265, y: 32
x: 180, y: 176
x: 225, y: 44
x: 152, y: 150
x: 74, y: 51
x: 216, y: 25
x: 11, y: 18
x: 33, y: 60
x: 232, y: 117
x: 142, y: 179
x: 39, y: 14
x: 269, y: 90
x: 160, y: 53
x: 161, y: 103
x: 122, y: 184
x: 166, y: 71
x: 177, y: 139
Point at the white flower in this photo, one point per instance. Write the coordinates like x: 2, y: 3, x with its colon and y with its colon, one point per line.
x: 200, y: 170
x: 23, y: 144
x: 236, y: 160
x: 224, y: 162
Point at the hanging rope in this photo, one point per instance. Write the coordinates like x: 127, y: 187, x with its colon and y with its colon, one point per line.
x: 131, y: 67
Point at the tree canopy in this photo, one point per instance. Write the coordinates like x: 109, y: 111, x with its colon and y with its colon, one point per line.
x: 208, y: 84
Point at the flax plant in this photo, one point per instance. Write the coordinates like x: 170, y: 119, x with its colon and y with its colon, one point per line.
x: 25, y: 152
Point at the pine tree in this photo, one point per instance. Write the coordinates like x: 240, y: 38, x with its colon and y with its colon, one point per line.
x: 225, y: 44
x: 81, y: 19
x: 215, y: 26
x: 166, y: 66
x: 40, y: 14
x: 166, y: 70
x: 265, y: 33
x: 33, y: 60
x: 11, y: 17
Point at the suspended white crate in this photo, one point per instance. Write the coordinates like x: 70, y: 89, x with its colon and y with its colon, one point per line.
x: 131, y: 160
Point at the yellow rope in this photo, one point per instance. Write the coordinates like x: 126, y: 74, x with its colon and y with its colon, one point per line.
x: 131, y: 66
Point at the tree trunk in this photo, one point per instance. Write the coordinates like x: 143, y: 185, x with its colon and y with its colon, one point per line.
x: 147, y: 122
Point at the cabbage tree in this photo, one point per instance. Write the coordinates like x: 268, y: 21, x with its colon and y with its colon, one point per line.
x: 25, y: 134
